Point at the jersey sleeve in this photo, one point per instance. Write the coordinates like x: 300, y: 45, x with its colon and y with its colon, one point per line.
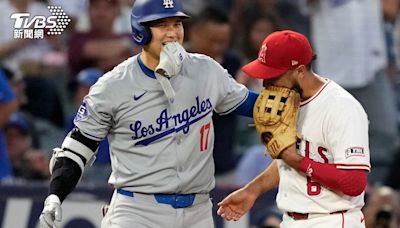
x: 95, y: 115
x: 231, y: 94
x: 347, y: 134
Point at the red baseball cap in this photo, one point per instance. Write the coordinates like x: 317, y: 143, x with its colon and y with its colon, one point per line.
x: 280, y: 51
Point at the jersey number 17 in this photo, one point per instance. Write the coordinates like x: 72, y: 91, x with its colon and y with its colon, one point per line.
x: 204, y: 132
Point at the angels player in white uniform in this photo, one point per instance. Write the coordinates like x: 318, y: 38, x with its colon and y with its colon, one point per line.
x: 321, y: 180
x: 155, y: 108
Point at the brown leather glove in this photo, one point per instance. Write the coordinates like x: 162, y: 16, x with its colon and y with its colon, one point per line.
x: 275, y: 114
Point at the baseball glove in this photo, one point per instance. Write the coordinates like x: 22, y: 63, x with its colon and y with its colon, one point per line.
x: 275, y: 115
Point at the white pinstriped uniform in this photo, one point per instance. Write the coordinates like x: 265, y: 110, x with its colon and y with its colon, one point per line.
x: 335, y: 130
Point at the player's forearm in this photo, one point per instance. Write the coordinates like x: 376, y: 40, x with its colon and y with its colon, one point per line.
x: 65, y: 176
x: 68, y: 163
x: 246, y: 108
x: 265, y: 181
x: 349, y: 182
x: 291, y: 157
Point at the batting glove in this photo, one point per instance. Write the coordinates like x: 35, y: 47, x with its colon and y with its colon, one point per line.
x: 171, y: 58
x: 51, y: 212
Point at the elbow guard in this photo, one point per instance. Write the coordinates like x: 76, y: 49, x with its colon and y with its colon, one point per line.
x: 76, y: 147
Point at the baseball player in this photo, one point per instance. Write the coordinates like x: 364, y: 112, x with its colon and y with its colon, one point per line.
x: 321, y: 179
x: 156, y: 109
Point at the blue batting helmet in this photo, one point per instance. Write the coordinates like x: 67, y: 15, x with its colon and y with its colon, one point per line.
x: 150, y: 10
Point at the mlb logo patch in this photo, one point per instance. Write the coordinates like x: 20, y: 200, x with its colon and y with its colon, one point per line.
x: 82, y: 113
x: 355, y: 151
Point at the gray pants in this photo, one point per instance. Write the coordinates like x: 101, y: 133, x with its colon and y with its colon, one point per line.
x: 142, y: 211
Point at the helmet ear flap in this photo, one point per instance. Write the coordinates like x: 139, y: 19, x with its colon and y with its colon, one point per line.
x: 149, y: 35
x: 140, y: 34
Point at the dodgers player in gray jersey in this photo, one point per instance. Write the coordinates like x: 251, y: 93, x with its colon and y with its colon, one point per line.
x: 155, y: 108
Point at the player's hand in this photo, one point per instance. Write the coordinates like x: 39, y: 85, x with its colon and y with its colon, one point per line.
x: 51, y: 212
x: 236, y: 204
x: 171, y: 58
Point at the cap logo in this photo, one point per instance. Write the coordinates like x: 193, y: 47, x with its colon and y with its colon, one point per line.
x: 168, y: 4
x: 294, y: 62
x: 261, y: 54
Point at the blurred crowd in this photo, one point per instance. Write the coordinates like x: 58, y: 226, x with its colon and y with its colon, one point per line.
x: 43, y: 81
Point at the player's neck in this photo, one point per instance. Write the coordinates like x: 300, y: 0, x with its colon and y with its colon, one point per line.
x: 312, y: 85
x: 149, y: 60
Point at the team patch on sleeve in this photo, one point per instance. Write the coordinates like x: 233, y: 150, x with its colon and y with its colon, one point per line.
x: 355, y: 151
x: 82, y: 113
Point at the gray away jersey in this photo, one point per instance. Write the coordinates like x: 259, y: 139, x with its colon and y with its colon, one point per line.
x: 157, y: 147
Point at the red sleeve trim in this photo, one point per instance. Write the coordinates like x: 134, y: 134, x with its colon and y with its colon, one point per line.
x: 351, y: 182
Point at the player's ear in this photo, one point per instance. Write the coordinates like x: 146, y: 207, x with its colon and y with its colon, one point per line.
x: 300, y: 71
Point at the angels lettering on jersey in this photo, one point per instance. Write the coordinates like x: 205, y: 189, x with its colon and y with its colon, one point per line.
x: 321, y: 154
